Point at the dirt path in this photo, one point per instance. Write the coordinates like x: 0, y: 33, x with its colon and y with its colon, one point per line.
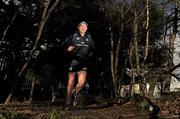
x: 44, y: 110
x: 39, y: 111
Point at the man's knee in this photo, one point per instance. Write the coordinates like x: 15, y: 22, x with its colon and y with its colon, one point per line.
x: 81, y: 85
x: 71, y: 85
x: 71, y: 80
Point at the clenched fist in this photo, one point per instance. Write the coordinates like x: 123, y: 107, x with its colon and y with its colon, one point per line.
x: 70, y: 48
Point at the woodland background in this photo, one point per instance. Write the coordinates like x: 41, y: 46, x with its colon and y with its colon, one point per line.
x: 134, y: 39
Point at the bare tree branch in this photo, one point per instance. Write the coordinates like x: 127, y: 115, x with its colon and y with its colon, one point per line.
x: 5, y: 31
x: 45, y: 16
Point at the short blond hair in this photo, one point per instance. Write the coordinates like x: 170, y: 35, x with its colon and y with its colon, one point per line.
x: 83, y: 22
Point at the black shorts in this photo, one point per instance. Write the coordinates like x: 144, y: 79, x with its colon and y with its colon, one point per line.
x: 77, y: 66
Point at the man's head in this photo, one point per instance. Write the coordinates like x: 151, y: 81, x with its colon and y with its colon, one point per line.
x: 82, y: 27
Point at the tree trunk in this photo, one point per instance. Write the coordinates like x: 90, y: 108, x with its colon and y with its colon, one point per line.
x: 136, y: 43
x: 170, y: 61
x: 45, y: 16
x: 32, y: 91
x: 133, y: 70
x: 142, y: 90
x: 135, y: 32
x: 117, y: 61
x: 112, y: 60
x: 147, y: 30
x: 172, y: 38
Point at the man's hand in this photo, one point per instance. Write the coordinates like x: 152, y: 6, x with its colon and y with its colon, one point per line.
x: 70, y: 48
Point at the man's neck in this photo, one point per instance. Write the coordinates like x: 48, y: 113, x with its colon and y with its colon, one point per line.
x: 82, y: 34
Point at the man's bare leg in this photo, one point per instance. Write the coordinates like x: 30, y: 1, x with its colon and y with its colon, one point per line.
x: 70, y: 86
x: 81, y: 82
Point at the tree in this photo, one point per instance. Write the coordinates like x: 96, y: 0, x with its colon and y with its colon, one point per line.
x: 46, y: 13
x: 128, y: 34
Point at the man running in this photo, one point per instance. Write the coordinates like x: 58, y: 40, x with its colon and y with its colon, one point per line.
x: 80, y: 46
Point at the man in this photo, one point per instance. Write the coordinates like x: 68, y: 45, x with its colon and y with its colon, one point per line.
x: 80, y: 46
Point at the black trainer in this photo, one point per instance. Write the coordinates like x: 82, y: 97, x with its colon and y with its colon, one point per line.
x: 77, y: 99
x: 67, y: 105
x: 75, y: 102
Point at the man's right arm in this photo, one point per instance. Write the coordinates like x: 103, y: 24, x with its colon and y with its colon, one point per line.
x: 68, y: 44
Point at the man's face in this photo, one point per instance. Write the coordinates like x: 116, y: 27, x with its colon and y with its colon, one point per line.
x: 82, y: 28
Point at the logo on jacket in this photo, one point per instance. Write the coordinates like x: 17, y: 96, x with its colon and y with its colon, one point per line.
x: 77, y: 38
x: 87, y: 39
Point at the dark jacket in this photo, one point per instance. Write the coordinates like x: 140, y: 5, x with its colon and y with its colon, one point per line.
x: 84, y: 46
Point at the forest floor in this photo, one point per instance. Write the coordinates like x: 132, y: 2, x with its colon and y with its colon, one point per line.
x: 161, y: 109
